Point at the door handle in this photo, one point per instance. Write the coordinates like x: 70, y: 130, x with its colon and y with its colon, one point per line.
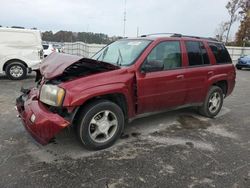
x: 179, y: 77
x: 210, y: 73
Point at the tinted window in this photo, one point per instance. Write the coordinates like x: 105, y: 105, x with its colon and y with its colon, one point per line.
x: 220, y: 53
x: 169, y: 53
x: 197, y: 54
x: 45, y: 47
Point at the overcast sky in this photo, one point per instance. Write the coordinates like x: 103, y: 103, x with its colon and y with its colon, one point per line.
x: 193, y: 17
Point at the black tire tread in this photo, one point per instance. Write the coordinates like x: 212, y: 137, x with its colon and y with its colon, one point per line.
x: 16, y: 63
x: 203, y: 110
x: 83, y: 115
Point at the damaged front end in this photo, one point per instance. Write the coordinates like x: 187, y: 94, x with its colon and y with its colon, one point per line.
x: 37, y: 119
x: 41, y: 108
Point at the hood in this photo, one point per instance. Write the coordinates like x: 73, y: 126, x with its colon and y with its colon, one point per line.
x: 65, y: 66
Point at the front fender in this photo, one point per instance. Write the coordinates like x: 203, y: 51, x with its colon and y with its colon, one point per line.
x: 72, y: 99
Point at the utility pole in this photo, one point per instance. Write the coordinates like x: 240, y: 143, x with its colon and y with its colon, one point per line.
x: 137, y: 32
x: 124, y: 19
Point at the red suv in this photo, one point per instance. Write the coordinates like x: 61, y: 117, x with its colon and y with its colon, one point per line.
x: 126, y: 78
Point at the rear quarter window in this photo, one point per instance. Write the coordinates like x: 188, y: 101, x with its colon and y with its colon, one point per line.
x: 220, y: 53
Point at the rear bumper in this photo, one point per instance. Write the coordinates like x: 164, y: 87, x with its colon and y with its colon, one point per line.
x: 42, y: 124
x: 240, y: 65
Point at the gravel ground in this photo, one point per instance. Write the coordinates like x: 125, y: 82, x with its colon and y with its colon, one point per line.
x: 171, y: 149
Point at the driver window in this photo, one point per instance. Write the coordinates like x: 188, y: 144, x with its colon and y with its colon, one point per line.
x: 168, y: 53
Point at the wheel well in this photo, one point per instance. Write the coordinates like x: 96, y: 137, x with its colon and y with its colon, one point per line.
x: 223, y: 85
x: 116, y: 98
x: 14, y: 60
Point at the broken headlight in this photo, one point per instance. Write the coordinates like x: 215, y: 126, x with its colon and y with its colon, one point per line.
x: 52, y: 95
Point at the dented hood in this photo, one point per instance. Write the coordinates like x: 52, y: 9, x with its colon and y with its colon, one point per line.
x: 59, y: 64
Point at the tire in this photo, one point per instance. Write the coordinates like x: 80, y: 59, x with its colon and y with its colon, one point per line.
x: 16, y: 71
x: 97, y: 131
x: 210, y: 108
x: 239, y: 68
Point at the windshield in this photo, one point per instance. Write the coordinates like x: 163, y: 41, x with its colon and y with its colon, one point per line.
x: 122, y: 52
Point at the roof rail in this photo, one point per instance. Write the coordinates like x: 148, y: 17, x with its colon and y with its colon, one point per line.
x: 206, y: 38
x: 152, y: 34
x: 180, y: 35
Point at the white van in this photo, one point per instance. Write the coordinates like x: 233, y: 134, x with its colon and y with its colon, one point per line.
x: 20, y: 50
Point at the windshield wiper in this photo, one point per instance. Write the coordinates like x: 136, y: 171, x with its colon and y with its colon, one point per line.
x: 103, y: 54
x: 119, y: 58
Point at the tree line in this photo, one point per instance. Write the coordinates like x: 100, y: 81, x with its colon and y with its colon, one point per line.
x: 69, y: 36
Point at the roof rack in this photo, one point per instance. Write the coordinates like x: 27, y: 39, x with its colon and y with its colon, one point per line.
x: 152, y: 34
x: 180, y: 35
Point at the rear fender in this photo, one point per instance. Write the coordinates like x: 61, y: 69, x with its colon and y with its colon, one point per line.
x: 216, y: 78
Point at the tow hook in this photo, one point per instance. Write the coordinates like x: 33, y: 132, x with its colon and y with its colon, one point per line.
x: 24, y: 91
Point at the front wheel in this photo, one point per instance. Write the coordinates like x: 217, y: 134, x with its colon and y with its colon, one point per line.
x: 16, y: 71
x: 213, y: 102
x: 100, y: 124
x: 239, y: 68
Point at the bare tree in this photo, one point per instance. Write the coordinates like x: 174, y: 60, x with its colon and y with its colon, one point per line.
x: 220, y: 32
x: 233, y: 7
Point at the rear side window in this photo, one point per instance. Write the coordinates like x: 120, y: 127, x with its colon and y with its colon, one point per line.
x: 220, y: 53
x: 197, y: 53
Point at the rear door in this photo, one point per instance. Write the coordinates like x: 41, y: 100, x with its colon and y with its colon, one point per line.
x: 198, y: 71
x: 165, y: 88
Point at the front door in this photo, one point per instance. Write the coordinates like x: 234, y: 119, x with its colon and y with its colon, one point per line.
x: 166, y: 88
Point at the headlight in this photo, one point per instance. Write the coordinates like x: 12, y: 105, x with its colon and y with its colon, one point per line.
x: 52, y: 95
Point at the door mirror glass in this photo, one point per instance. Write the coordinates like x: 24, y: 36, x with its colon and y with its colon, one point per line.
x: 152, y: 66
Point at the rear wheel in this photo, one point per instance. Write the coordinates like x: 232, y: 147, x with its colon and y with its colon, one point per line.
x: 100, y: 124
x: 213, y: 102
x: 16, y: 71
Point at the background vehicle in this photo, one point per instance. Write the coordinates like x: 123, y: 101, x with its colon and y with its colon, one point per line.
x: 126, y: 78
x: 20, y: 50
x: 48, y: 49
x: 58, y: 47
x: 243, y: 62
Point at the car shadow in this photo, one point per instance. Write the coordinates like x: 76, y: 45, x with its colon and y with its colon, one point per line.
x: 245, y: 69
x: 139, y: 128
x: 30, y: 76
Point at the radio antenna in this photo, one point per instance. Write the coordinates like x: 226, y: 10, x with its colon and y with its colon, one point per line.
x: 124, y: 19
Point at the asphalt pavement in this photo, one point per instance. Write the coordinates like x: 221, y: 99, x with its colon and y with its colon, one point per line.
x: 171, y: 149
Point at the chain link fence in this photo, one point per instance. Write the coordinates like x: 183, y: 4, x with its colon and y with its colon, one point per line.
x: 82, y: 49
x: 236, y: 52
x: 88, y: 50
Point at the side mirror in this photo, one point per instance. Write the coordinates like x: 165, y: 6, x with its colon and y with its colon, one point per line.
x: 152, y: 66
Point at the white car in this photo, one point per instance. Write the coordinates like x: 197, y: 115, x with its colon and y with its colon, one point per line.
x: 48, y: 49
x: 20, y: 51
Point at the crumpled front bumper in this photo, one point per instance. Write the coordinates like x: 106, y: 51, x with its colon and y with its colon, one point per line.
x: 42, y: 124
